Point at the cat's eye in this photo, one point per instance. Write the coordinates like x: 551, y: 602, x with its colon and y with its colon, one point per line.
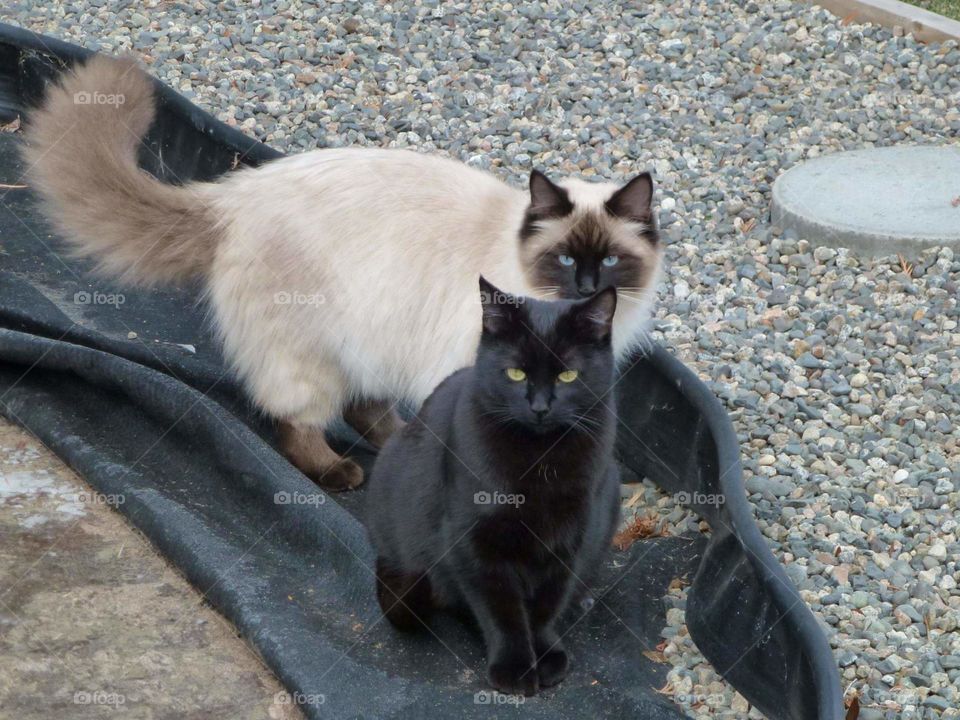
x: 611, y: 260
x: 566, y: 260
x: 516, y: 374
x: 568, y: 376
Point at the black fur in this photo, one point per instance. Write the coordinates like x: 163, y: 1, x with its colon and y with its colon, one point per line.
x: 444, y: 502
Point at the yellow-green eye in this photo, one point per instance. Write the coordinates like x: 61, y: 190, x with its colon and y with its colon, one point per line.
x: 516, y: 374
x: 567, y: 376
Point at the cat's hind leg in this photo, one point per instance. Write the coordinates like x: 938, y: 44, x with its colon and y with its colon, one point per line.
x: 375, y: 420
x: 404, y: 597
x: 306, y: 447
x: 306, y: 397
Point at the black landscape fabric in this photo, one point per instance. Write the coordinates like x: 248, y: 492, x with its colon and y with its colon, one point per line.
x: 129, y: 389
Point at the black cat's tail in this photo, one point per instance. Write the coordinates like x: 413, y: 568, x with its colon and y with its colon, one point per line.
x: 404, y: 597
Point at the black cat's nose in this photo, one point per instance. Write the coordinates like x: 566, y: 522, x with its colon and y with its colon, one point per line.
x: 586, y: 289
x: 539, y: 406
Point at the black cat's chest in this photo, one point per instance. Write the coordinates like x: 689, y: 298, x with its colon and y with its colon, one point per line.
x: 543, y: 513
x: 532, y: 539
x: 548, y: 467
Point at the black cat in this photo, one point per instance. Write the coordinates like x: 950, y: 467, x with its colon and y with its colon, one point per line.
x: 502, y: 494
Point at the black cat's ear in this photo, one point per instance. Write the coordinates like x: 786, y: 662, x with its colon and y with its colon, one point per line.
x: 499, y: 309
x: 634, y: 201
x: 593, y: 318
x: 547, y: 200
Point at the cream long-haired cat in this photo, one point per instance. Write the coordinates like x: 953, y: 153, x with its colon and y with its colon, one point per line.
x: 340, y: 280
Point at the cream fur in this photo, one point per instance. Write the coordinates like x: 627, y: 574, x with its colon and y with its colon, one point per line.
x: 378, y: 252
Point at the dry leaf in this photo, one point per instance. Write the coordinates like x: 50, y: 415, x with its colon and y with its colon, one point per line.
x: 641, y: 527
x: 956, y: 201
x: 657, y: 657
x: 906, y: 267
x: 666, y: 689
x: 853, y: 708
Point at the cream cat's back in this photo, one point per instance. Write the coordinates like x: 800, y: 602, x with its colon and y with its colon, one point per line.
x: 312, y: 238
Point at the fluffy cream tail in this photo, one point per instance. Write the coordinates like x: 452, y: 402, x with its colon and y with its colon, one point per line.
x: 82, y: 158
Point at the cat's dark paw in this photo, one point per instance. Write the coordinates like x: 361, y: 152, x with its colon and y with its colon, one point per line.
x: 514, y: 675
x: 552, y: 667
x: 342, y: 475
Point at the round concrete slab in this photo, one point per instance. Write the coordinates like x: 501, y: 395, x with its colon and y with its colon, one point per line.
x: 881, y: 200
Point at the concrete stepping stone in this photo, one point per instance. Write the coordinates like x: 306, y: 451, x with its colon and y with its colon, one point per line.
x: 878, y: 200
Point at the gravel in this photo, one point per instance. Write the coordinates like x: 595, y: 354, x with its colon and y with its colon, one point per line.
x: 841, y: 374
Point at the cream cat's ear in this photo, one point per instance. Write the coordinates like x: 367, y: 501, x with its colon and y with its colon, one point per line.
x: 593, y: 318
x: 547, y: 199
x: 634, y: 200
x: 500, y: 309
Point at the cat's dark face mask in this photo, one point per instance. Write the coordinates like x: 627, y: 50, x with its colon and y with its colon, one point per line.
x: 572, y: 252
x: 543, y: 367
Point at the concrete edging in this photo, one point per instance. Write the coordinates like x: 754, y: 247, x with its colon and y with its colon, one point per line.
x: 924, y: 25
x: 880, y: 201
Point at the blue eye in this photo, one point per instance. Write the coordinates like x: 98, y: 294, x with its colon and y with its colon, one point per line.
x: 566, y: 260
x: 611, y: 260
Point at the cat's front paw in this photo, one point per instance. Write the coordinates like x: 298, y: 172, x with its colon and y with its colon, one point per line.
x: 552, y: 667
x: 514, y: 675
